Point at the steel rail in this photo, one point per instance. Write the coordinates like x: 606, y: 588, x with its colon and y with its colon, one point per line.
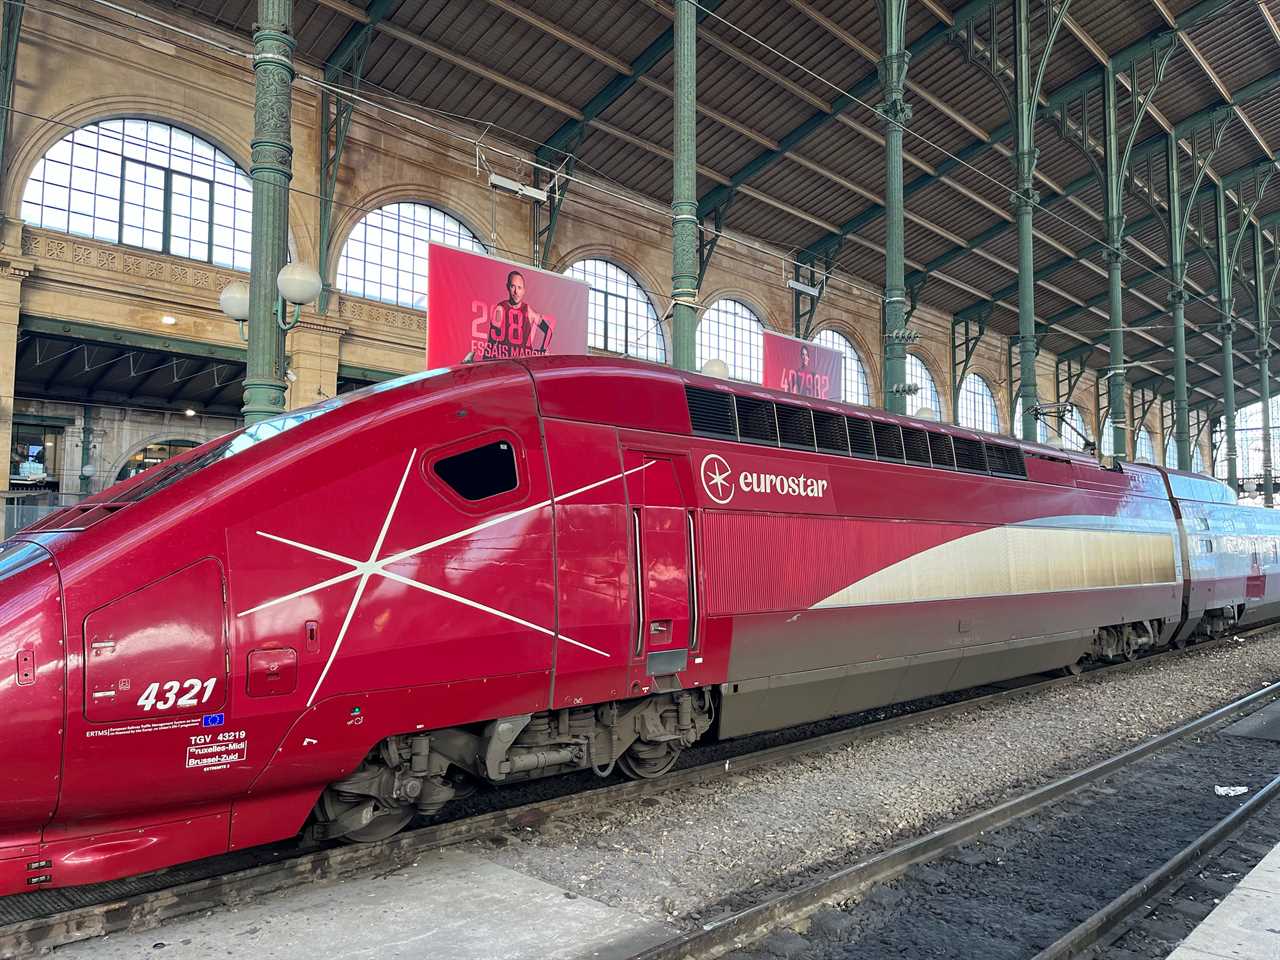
x: 144, y: 910
x: 741, y: 928
x: 1142, y: 893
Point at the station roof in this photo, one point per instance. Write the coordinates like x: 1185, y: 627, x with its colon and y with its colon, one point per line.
x: 791, y: 150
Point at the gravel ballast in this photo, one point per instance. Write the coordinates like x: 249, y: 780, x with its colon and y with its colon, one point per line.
x: 695, y: 853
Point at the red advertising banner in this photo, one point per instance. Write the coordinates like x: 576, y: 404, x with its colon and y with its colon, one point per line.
x: 802, y: 367
x: 494, y: 309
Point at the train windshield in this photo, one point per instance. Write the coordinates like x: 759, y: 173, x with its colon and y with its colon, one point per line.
x: 254, y: 434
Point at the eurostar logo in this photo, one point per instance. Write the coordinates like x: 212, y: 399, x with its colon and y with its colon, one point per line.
x: 716, y: 475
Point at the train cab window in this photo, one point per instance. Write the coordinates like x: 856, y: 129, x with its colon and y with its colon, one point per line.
x: 481, y: 472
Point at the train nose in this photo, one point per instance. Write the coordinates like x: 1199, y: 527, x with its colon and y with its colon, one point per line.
x: 32, y: 650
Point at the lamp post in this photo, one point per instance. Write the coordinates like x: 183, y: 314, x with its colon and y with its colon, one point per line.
x: 297, y: 284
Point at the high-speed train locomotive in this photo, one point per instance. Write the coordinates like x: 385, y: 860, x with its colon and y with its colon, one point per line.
x: 348, y: 615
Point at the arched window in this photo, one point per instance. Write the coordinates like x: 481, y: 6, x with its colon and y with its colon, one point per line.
x: 730, y: 331
x: 145, y: 184
x: 1144, y: 450
x: 927, y: 395
x: 1197, y: 459
x: 856, y: 387
x: 1106, y: 443
x: 978, y: 405
x: 620, y: 315
x: 153, y: 454
x: 1074, y: 432
x: 1042, y: 428
x: 385, y: 257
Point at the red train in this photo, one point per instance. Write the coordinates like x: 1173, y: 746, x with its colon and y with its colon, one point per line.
x: 354, y: 612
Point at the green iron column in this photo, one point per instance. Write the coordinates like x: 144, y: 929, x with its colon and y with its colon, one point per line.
x: 1115, y: 286
x: 1262, y: 318
x: 271, y: 169
x: 1225, y: 330
x: 896, y: 113
x: 1024, y: 202
x: 1177, y: 305
x: 684, y: 194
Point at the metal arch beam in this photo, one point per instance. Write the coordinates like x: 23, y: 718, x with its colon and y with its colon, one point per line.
x: 1085, y: 252
x: 1070, y: 90
x: 357, y: 35
x: 613, y: 91
x: 1212, y: 74
x: 10, y: 36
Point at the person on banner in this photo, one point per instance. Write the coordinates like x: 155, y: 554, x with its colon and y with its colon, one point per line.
x: 515, y: 328
x: 803, y: 380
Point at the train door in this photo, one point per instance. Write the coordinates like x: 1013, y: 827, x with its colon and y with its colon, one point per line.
x: 31, y: 694
x: 665, y: 559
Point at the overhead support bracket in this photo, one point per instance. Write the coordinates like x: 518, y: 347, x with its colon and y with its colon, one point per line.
x: 966, y: 335
x: 557, y: 187
x: 807, y: 289
x: 709, y: 238
x: 344, y: 69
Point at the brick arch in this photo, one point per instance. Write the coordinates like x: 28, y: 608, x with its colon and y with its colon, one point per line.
x: 157, y: 437
x: 743, y: 297
x: 732, y: 293
x: 998, y: 394
x: 229, y: 140
x: 349, y: 214
x: 925, y: 356
x: 641, y: 274
x: 870, y: 360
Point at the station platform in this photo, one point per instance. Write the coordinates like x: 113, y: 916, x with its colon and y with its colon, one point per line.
x: 1246, y: 924
x: 447, y: 904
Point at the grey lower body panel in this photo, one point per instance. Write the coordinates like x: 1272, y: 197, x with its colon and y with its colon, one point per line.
x: 790, y: 669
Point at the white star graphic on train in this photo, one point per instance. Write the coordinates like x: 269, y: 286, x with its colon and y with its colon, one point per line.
x: 377, y: 565
x: 715, y: 471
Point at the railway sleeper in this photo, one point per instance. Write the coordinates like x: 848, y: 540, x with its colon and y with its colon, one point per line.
x: 416, y: 774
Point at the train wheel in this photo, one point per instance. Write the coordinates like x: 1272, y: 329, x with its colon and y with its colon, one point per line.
x: 385, y: 822
x: 648, y: 761
x: 1074, y: 669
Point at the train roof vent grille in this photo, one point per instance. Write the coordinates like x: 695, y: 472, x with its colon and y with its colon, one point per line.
x: 940, y: 450
x: 861, y: 437
x: 915, y: 445
x: 888, y: 440
x: 756, y: 420
x: 830, y: 432
x: 1006, y: 461
x: 795, y: 426
x: 969, y: 454
x: 711, y: 413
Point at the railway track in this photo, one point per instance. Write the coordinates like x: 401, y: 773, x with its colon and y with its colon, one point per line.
x: 779, y: 915
x: 40, y: 921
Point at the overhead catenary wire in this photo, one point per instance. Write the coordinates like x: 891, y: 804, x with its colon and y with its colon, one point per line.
x: 618, y: 192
